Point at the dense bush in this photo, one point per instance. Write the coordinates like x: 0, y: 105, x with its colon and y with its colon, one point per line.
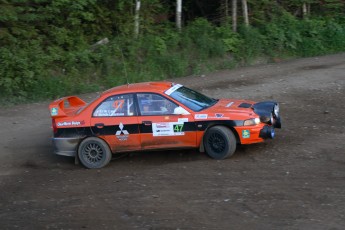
x: 47, y: 47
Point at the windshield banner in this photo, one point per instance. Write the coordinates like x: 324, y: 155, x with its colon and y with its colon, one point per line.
x: 173, y: 89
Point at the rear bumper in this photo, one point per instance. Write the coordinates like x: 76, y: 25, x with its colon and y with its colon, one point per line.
x: 66, y: 146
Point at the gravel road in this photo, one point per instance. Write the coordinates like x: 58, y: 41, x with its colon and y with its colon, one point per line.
x: 296, y: 181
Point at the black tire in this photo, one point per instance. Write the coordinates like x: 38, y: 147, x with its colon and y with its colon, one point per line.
x: 94, y: 153
x: 220, y: 142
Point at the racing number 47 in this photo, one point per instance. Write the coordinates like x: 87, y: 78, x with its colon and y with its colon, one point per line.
x: 178, y: 128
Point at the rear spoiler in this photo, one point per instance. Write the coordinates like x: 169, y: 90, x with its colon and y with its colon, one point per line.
x: 63, y: 106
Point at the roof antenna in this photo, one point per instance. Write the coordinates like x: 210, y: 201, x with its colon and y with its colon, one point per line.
x: 124, y: 66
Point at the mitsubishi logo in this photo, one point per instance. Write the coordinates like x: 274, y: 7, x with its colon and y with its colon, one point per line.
x: 122, y: 134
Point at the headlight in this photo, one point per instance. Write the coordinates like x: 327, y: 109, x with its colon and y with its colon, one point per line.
x: 267, y: 119
x: 276, y: 110
x: 254, y: 121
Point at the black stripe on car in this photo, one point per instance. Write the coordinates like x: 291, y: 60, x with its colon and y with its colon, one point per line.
x: 140, y: 128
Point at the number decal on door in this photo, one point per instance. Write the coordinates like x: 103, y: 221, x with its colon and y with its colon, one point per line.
x: 178, y: 128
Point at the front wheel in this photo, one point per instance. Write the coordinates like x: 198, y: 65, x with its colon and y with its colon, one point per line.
x: 94, y: 153
x: 219, y: 142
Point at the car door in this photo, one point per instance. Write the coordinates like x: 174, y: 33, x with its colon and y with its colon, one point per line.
x: 115, y: 120
x: 159, y: 127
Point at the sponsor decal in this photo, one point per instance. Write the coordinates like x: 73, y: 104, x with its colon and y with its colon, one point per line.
x: 107, y: 113
x: 173, y: 89
x: 118, y: 104
x: 167, y: 129
x: 118, y: 114
x: 162, y: 125
x: 219, y: 115
x: 70, y: 123
x: 200, y: 116
x: 230, y: 104
x: 182, y: 120
x: 54, y: 111
x: 245, y: 133
x: 122, y: 134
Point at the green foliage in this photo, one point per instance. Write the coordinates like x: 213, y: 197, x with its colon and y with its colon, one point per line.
x: 262, y: 11
x: 231, y: 40
x: 333, y: 8
x: 47, y: 47
x: 282, y: 34
x: 253, y: 43
x: 334, y: 36
x: 312, y: 41
x: 289, y: 36
x: 201, y: 34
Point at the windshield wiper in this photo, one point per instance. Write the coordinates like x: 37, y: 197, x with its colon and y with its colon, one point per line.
x: 210, y: 105
x: 214, y: 101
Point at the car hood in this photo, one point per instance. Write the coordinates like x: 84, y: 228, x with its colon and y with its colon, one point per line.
x: 235, y: 109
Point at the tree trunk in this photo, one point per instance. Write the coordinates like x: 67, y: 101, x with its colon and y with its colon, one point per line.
x: 178, y: 14
x: 234, y: 15
x: 226, y: 13
x: 245, y: 12
x: 136, y: 18
x: 226, y: 8
x: 304, y: 10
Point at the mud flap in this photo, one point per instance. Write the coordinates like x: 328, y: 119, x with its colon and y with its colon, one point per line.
x: 76, y: 159
x: 202, y: 147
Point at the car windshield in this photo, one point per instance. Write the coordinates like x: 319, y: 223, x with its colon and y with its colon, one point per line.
x: 192, y: 99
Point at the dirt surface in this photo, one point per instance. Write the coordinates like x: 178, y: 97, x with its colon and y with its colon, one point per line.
x: 296, y: 181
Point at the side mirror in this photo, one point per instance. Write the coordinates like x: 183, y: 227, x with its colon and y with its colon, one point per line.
x: 180, y: 111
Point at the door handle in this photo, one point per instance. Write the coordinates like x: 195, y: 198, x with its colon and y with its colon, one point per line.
x: 147, y: 123
x: 99, y: 125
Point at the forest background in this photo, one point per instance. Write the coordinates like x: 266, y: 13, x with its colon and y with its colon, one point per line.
x: 50, y: 49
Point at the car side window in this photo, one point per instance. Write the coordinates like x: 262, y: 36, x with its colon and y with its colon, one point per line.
x: 154, y: 104
x: 116, y: 106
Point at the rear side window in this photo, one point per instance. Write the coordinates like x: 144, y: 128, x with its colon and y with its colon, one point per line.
x: 116, y: 106
x: 154, y: 104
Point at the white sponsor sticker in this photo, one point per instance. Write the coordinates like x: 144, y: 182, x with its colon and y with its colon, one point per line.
x: 200, y: 116
x: 182, y: 120
x: 173, y: 89
x: 167, y: 129
x: 122, y: 134
x: 54, y: 111
x: 70, y: 123
x: 162, y: 129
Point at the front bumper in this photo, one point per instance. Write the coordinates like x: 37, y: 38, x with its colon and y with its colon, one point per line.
x: 267, y: 132
x: 255, y: 134
x: 66, y: 146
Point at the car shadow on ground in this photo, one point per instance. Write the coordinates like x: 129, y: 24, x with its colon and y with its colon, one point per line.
x: 153, y: 158
x: 141, y: 158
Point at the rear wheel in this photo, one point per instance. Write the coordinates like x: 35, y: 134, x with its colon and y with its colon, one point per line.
x: 93, y: 153
x: 219, y: 142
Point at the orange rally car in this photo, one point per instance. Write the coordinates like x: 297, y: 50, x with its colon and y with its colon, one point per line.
x: 157, y: 115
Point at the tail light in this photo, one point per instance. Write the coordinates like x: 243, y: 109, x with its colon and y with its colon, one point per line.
x: 54, y: 125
